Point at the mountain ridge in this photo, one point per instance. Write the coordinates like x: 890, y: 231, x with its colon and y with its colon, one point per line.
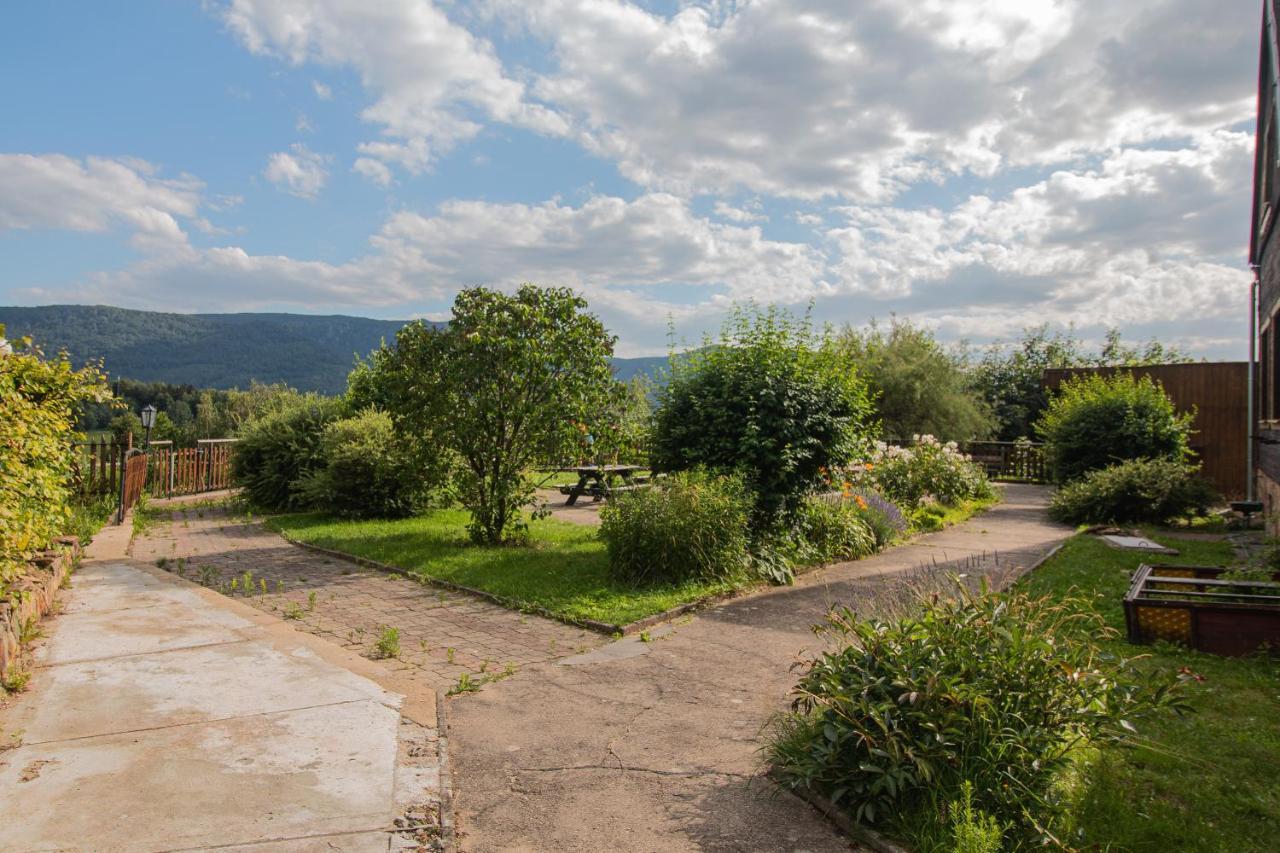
x: 306, y: 351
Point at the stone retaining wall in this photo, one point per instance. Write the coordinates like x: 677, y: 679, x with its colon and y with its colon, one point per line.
x: 34, y: 594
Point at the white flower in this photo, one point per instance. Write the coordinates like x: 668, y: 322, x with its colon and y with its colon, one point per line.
x: 6, y: 348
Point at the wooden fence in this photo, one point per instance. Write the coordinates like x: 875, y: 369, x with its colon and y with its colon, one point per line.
x: 191, y: 470
x: 135, y: 479
x: 96, y: 466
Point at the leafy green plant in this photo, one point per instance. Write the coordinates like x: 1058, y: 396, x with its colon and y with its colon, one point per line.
x: 995, y: 689
x: 277, y: 451
x: 1096, y: 421
x: 293, y: 611
x: 770, y: 399
x: 830, y: 529
x: 388, y: 645
x: 370, y: 470
x: 1140, y: 491
x: 973, y: 830
x: 39, y: 398
x: 16, y: 680
x: 689, y: 525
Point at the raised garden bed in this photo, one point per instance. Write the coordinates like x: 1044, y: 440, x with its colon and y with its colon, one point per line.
x: 1199, y: 607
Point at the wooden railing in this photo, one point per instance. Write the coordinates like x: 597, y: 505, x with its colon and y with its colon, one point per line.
x: 191, y: 470
x: 135, y: 479
x: 96, y: 466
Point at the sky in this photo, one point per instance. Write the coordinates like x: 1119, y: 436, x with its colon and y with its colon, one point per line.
x: 977, y: 167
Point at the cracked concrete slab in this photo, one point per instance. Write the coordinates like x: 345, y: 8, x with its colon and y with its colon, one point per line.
x: 163, y: 717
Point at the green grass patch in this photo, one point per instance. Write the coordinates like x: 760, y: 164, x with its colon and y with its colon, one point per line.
x: 563, y: 570
x: 1202, y: 782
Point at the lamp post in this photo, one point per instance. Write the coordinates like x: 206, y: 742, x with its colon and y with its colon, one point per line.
x: 148, y: 421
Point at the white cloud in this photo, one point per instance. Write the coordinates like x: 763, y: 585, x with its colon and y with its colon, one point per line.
x: 298, y: 171
x: 428, y: 75
x: 819, y: 98
x: 53, y: 191
x: 739, y: 214
x: 323, y: 92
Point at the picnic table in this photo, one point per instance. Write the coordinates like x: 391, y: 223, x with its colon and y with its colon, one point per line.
x: 599, y: 481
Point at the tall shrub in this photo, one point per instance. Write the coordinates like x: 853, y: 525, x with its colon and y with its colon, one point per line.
x: 1096, y: 421
x: 39, y: 398
x: 279, y: 449
x: 367, y: 470
x: 772, y: 399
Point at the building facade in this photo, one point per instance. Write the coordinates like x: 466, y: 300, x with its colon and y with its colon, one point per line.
x: 1264, y: 255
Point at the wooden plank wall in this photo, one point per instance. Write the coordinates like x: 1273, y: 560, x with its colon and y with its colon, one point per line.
x: 1219, y: 392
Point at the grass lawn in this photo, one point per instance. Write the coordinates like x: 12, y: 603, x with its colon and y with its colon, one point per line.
x: 564, y: 571
x: 1204, y: 782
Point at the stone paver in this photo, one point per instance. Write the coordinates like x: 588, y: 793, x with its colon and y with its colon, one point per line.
x: 162, y: 716
x: 662, y: 749
x: 443, y: 634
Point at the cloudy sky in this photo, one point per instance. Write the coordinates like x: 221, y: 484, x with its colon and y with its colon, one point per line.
x: 978, y: 165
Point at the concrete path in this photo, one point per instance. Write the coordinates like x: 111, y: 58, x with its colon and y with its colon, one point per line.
x: 443, y: 634
x: 162, y: 716
x: 655, y: 746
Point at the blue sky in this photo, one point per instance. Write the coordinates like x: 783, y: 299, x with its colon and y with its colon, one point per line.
x: 976, y: 166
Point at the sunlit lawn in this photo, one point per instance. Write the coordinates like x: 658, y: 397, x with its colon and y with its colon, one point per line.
x: 564, y: 569
x: 1204, y: 782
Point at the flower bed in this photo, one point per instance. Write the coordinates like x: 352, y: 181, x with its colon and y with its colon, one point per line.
x: 1205, y: 608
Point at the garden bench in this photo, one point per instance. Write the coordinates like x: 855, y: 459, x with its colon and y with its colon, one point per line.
x: 597, y: 481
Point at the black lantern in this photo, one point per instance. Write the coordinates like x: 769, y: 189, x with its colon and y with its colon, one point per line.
x: 148, y: 421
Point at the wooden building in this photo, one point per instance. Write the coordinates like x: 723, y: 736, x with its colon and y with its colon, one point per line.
x: 1219, y: 393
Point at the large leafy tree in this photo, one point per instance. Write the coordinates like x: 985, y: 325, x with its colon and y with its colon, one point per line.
x: 771, y: 399
x: 920, y: 386
x: 510, y: 380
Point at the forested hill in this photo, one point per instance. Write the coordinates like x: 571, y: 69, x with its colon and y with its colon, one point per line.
x: 218, y: 350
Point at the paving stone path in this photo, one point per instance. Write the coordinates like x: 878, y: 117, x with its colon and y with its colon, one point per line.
x: 443, y: 634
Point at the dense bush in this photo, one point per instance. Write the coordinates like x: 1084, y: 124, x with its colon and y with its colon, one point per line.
x: 829, y: 529
x: 993, y: 689
x: 279, y: 449
x: 1096, y: 421
x: 369, y: 470
x: 688, y: 526
x: 1141, y: 491
x: 925, y: 472
x: 919, y: 385
x: 772, y: 399
x: 38, y: 400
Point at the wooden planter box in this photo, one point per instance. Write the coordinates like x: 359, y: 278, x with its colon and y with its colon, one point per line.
x: 1194, y: 606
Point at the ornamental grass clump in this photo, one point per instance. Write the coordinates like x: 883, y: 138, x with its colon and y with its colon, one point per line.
x: 828, y: 530
x: 689, y: 526
x: 999, y: 691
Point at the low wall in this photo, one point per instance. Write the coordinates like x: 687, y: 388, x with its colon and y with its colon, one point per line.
x: 34, y: 593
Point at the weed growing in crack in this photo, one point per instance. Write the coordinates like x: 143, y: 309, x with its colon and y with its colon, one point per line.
x: 388, y: 645
x: 162, y: 562
x: 29, y: 630
x: 16, y: 681
x: 311, y: 600
x: 293, y: 611
x: 448, y: 654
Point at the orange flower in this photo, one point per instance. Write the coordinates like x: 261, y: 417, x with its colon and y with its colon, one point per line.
x: 862, y: 503
x: 868, y: 467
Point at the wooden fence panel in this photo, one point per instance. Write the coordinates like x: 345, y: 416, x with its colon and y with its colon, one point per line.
x: 135, y: 478
x: 191, y: 470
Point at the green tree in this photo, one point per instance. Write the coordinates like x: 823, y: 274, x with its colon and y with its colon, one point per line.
x: 920, y: 387
x: 1009, y: 376
x: 507, y: 382
x: 771, y: 399
x: 1097, y: 421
